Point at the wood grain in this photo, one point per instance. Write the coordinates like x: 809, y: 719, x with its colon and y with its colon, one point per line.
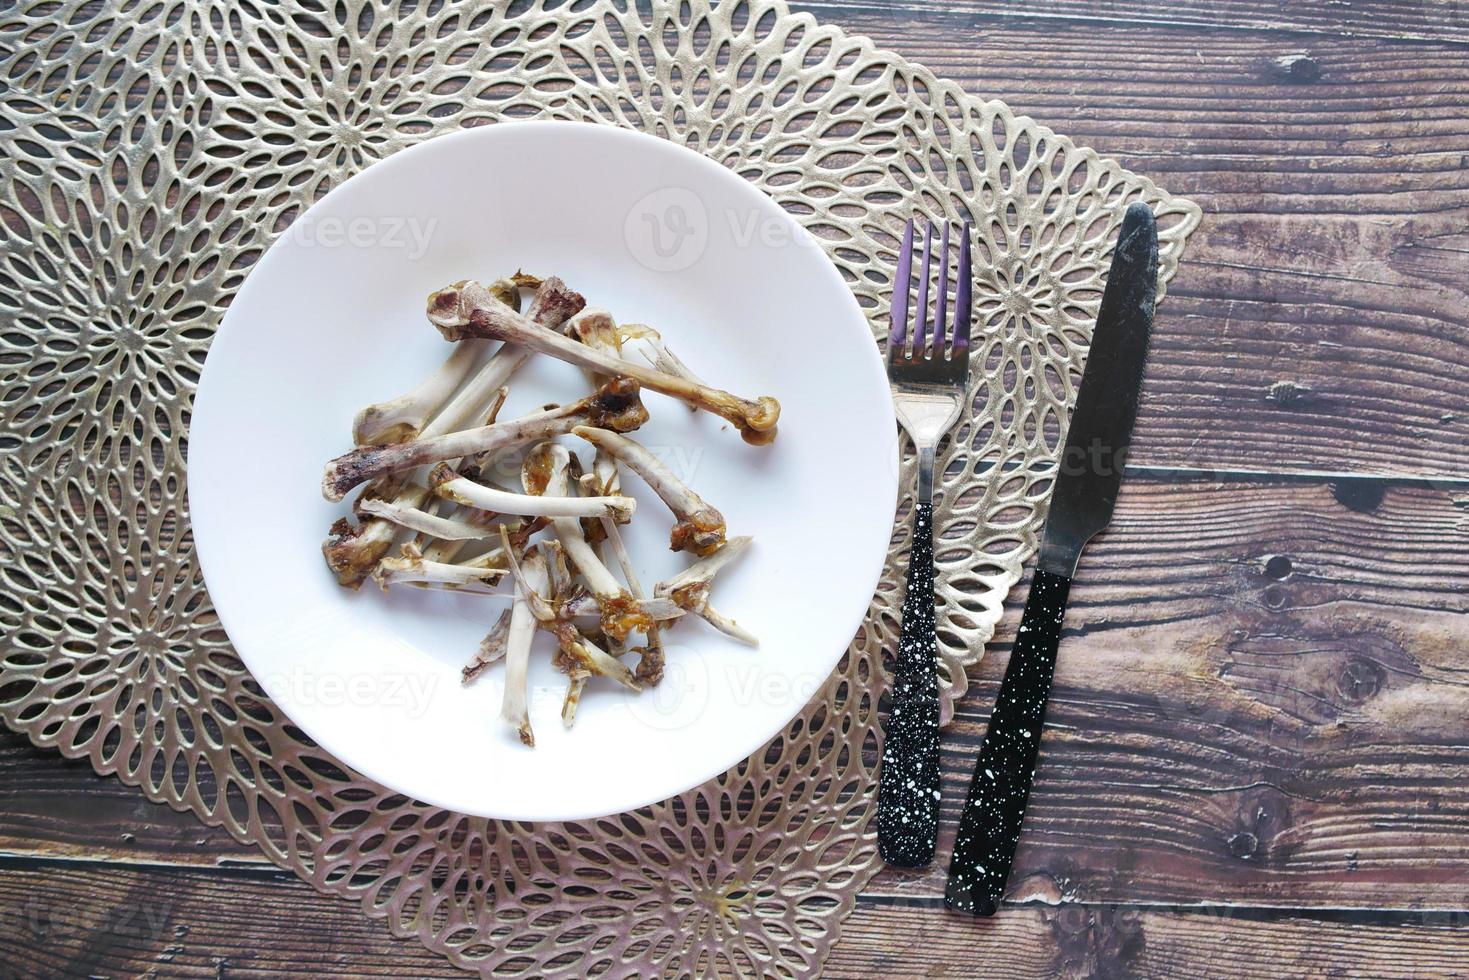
x: 1261, y: 697
x: 59, y: 920
x: 1317, y: 321
x: 1108, y: 941
x: 1432, y: 20
x: 55, y: 807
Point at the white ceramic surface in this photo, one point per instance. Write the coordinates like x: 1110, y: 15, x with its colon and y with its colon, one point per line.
x: 332, y: 319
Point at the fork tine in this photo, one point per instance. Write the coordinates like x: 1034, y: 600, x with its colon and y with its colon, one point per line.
x: 962, y: 297
x: 941, y: 302
x: 898, y: 330
x: 920, y: 325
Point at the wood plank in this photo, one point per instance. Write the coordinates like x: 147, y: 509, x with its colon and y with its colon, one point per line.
x: 1109, y: 941
x: 51, y: 806
x: 1261, y: 698
x: 99, y: 921
x: 64, y: 920
x: 1432, y: 20
x: 1317, y: 322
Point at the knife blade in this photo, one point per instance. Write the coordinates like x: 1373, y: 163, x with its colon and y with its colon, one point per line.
x: 1088, y: 476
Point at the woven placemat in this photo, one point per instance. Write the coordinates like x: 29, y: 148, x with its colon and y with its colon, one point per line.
x: 152, y: 153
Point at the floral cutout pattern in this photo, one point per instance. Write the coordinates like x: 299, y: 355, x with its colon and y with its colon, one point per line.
x: 154, y: 152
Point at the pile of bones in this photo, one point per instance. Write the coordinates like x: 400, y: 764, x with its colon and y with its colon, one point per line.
x: 425, y: 464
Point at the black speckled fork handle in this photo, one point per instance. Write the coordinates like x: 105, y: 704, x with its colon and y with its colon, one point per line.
x: 989, y: 826
x: 908, y: 798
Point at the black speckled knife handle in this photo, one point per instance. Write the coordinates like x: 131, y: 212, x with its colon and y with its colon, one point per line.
x: 908, y: 798
x: 989, y: 826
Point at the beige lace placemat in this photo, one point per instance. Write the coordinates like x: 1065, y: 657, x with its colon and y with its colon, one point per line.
x: 153, y: 151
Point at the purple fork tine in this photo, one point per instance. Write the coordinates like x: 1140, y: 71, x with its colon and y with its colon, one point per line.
x: 947, y: 337
x: 941, y: 314
x: 898, y: 332
x: 962, y: 296
x: 920, y: 327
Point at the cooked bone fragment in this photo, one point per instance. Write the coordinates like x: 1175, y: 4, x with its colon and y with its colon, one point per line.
x: 701, y: 573
x: 563, y: 587
x: 421, y: 573
x: 595, y: 327
x: 448, y: 484
x: 413, y: 569
x: 689, y: 589
x: 448, y: 528
x: 482, y: 396
x: 468, y: 310
x: 616, y: 405
x: 404, y: 417
x: 650, y: 661
x: 491, y: 649
x: 553, y: 460
x: 593, y: 657
x: 658, y: 609
x: 385, y: 488
x: 545, y: 471
x: 657, y: 353
x: 444, y: 549
x: 550, y: 307
x: 570, y: 639
x: 463, y: 305
x: 576, y: 684
x: 650, y: 664
x: 727, y: 626
x: 514, y: 708
x: 700, y: 528
x: 353, y: 550
x: 603, y: 481
x: 564, y: 594
x: 430, y: 509
x: 599, y: 330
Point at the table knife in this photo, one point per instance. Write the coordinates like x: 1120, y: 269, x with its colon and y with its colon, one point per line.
x: 1088, y: 475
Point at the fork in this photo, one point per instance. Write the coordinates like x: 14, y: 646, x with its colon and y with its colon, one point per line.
x: 929, y: 381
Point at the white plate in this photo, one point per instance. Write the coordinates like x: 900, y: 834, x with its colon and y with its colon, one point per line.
x: 332, y: 319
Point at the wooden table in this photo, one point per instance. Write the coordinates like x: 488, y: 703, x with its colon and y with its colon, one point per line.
x: 1258, y: 756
